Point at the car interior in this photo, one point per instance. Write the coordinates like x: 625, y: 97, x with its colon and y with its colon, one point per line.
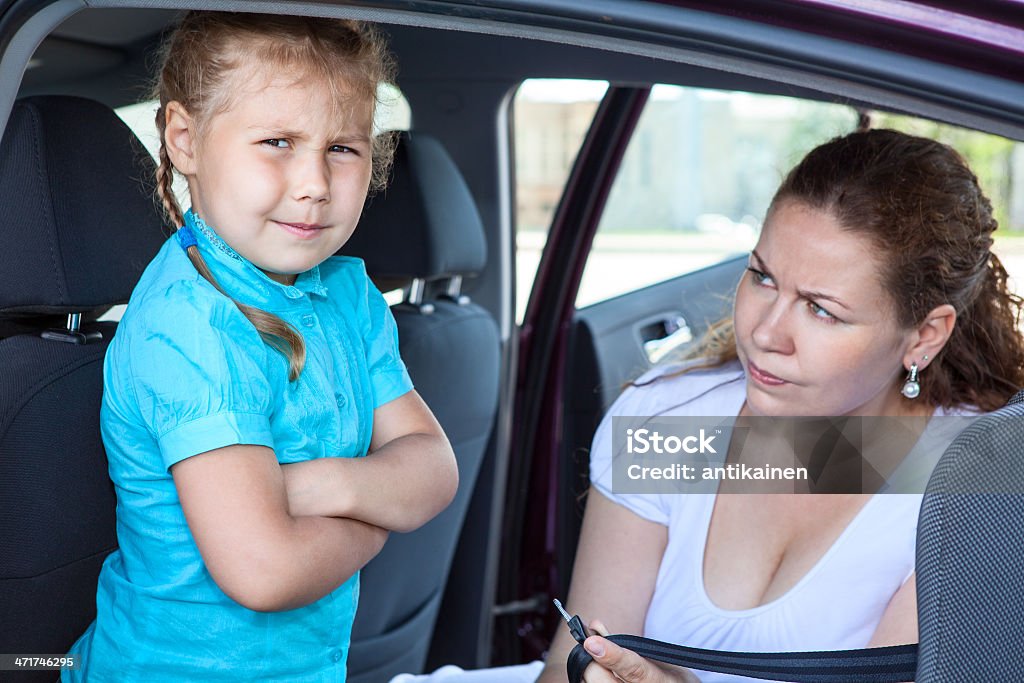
x: 518, y: 394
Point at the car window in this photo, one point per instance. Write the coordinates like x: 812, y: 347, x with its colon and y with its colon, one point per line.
x: 700, y: 169
x: 550, y: 119
x: 702, y: 166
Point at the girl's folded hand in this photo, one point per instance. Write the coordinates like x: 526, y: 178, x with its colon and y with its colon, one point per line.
x: 314, y: 488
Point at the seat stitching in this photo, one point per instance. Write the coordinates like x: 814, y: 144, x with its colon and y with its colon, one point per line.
x: 104, y: 551
x: 47, y: 206
x: 44, y: 382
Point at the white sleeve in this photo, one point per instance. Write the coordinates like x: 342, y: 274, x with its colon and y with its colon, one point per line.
x: 650, y: 506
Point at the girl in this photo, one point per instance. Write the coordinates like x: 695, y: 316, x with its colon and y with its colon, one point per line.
x: 252, y: 369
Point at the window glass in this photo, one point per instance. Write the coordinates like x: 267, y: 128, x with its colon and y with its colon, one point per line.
x: 393, y: 112
x: 699, y: 173
x: 141, y: 118
x: 550, y: 118
x: 702, y: 166
x: 696, y: 178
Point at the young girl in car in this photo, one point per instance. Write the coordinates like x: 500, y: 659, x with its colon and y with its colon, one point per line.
x: 252, y: 369
x: 872, y: 291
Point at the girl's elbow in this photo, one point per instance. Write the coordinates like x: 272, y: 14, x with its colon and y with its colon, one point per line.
x: 442, y: 492
x: 448, y: 484
x: 261, y: 601
x: 265, y: 596
x: 246, y: 588
x: 453, y: 484
x: 435, y: 489
x: 254, y: 582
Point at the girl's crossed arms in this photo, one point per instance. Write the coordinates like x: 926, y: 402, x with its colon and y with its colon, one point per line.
x: 278, y: 537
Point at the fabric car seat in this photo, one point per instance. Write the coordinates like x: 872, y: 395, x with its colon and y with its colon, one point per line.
x: 970, y: 555
x: 79, y: 227
x: 424, y: 232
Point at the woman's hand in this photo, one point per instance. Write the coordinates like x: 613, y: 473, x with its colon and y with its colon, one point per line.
x: 614, y: 664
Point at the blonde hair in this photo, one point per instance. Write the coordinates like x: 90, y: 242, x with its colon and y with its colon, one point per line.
x: 198, y: 61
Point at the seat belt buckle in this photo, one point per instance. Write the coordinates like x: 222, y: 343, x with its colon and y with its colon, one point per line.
x: 575, y: 624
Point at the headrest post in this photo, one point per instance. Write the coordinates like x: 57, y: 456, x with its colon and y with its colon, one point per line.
x: 416, y: 290
x: 454, y: 286
x: 454, y: 291
x: 74, y: 321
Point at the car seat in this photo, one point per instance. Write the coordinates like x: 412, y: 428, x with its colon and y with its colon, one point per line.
x: 79, y: 227
x: 424, y: 233
x: 970, y: 555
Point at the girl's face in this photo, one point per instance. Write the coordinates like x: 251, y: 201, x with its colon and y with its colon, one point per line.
x: 815, y: 330
x: 280, y: 175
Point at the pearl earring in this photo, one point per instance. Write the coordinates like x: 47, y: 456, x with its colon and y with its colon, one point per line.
x: 911, y: 388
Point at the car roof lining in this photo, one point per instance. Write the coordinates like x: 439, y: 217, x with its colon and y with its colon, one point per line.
x: 704, y: 52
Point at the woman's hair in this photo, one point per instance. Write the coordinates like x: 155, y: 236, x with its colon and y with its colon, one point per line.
x: 198, y: 68
x: 921, y: 207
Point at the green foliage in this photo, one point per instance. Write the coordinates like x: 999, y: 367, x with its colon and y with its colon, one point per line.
x: 816, y: 125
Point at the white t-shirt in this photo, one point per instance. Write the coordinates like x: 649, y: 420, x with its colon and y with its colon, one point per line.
x: 837, y: 605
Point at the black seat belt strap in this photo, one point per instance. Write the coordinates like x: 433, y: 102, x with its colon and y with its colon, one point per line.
x: 891, y: 664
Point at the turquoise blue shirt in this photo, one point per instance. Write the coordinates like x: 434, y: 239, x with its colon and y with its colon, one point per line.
x: 186, y: 373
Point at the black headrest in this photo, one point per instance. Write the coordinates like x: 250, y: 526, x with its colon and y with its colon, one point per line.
x: 425, y: 224
x: 80, y: 223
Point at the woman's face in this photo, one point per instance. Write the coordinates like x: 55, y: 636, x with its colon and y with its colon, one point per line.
x: 815, y: 330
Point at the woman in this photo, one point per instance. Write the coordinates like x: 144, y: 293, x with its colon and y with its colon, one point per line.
x: 872, y: 291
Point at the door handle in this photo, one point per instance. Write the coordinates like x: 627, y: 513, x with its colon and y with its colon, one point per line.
x: 665, y: 336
